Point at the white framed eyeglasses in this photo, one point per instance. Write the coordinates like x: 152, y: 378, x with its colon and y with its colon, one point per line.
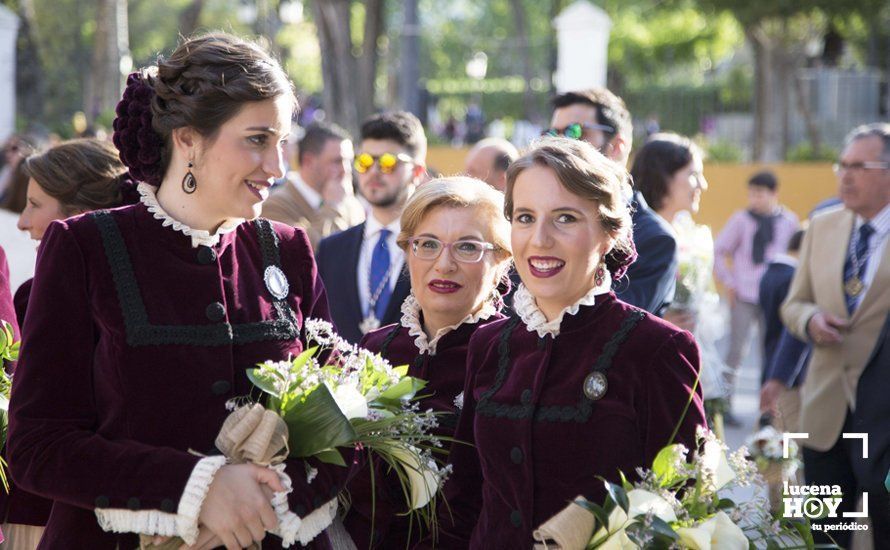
x: 467, y: 251
x: 839, y: 167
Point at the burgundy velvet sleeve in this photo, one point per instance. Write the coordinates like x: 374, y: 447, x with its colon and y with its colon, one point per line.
x: 463, y: 489
x: 668, y: 387
x: 54, y: 448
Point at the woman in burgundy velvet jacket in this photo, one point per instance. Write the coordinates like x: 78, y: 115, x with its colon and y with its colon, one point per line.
x: 577, y: 384
x: 71, y: 178
x: 457, y: 245
x: 143, y: 319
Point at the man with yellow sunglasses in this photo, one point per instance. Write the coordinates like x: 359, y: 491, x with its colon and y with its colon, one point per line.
x: 362, y: 267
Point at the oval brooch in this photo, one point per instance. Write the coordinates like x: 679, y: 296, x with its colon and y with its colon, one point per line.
x: 595, y: 385
x: 276, y: 282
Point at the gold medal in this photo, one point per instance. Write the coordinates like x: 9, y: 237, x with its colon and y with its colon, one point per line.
x: 595, y: 385
x: 853, y: 286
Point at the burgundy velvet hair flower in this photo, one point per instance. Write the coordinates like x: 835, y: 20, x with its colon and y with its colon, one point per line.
x: 138, y: 144
x: 618, y: 261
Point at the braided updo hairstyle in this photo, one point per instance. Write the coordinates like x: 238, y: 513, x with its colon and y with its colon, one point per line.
x: 203, y: 84
x: 584, y: 172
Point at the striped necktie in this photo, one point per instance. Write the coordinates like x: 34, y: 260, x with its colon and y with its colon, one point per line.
x: 861, y: 251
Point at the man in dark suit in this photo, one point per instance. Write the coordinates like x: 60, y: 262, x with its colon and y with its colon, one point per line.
x: 362, y: 268
x: 600, y: 118
x: 870, y: 417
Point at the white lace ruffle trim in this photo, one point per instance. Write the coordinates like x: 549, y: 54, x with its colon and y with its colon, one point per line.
x: 526, y: 307
x: 199, y: 237
x: 411, y: 320
x: 291, y: 527
x: 183, y: 524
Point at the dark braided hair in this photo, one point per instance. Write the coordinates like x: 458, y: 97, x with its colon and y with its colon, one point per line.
x: 203, y: 84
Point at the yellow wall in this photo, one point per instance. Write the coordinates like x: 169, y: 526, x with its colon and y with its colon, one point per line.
x: 802, y: 186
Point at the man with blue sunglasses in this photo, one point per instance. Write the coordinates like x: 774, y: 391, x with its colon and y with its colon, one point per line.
x: 600, y: 118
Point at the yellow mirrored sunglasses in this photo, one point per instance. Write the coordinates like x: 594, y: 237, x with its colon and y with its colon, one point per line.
x: 387, y: 162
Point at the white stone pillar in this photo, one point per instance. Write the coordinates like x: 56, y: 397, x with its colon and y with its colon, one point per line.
x: 9, y: 28
x: 582, y: 33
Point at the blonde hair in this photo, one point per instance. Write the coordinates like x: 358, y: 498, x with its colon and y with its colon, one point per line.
x: 457, y: 192
x: 460, y: 192
x: 584, y: 172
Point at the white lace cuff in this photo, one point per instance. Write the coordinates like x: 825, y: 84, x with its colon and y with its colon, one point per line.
x: 291, y: 527
x: 183, y: 524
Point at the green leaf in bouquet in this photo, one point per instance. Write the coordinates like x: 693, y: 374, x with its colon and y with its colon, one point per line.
x: 618, y: 494
x: 401, y: 370
x: 725, y: 504
x: 331, y: 456
x: 315, y: 424
x: 404, y: 390
x: 264, y: 380
x: 624, y: 482
x: 601, y: 515
x: 663, y: 529
x: 665, y: 465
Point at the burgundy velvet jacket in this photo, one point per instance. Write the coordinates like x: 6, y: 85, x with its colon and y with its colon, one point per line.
x: 445, y: 372
x: 18, y: 506
x: 539, y: 440
x: 133, y: 342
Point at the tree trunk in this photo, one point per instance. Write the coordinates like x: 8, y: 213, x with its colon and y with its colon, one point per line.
x: 524, y: 52
x: 803, y: 107
x: 110, y: 45
x: 409, y: 70
x: 767, y: 91
x: 368, y: 60
x: 30, y: 82
x: 190, y: 16
x: 337, y: 62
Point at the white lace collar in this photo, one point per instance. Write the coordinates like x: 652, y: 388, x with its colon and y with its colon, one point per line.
x: 411, y: 321
x: 526, y: 307
x: 199, y: 237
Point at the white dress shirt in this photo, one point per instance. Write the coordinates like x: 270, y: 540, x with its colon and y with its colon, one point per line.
x: 876, y: 246
x: 311, y: 195
x: 396, y: 257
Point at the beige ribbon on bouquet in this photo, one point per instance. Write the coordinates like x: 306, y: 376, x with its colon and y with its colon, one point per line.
x: 570, y: 529
x: 251, y: 433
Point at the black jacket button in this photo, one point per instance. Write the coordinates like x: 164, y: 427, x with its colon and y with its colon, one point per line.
x: 167, y: 505
x: 516, y: 518
x: 102, y: 502
x: 206, y: 255
x: 516, y: 455
x: 221, y: 387
x: 216, y: 312
x: 133, y: 503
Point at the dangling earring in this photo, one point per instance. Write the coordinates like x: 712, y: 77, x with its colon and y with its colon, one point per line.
x: 189, y: 183
x: 600, y: 276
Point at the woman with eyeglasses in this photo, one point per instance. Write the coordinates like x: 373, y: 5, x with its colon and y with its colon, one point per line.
x: 456, y: 242
x: 578, y: 385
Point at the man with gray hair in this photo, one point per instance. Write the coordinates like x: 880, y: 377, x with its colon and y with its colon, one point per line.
x: 488, y: 161
x: 839, y: 301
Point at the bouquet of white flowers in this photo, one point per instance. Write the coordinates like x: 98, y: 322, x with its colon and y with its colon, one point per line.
x: 9, y: 351
x: 678, y: 504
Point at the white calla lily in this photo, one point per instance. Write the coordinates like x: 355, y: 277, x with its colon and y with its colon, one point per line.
x: 717, y: 532
x: 422, y: 478
x: 350, y: 401
x: 617, y: 541
x: 639, y: 502
x: 714, y: 462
